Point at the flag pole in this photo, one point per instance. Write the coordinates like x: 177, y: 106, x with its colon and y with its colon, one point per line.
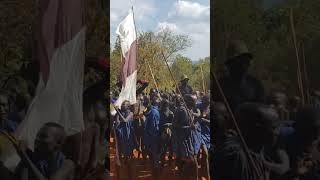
x: 135, y: 29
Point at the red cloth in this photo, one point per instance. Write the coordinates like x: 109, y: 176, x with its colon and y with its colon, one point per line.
x: 143, y: 81
x: 104, y: 63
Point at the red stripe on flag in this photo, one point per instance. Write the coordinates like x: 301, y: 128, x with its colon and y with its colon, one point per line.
x: 60, y: 21
x: 129, y: 63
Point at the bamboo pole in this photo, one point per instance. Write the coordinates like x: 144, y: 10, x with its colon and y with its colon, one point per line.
x: 154, y: 80
x: 305, y: 73
x: 297, y: 56
x: 203, y: 84
x: 176, y: 84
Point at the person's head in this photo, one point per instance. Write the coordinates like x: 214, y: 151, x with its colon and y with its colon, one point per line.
x: 165, y: 104
x: 49, y: 139
x: 206, y: 100
x: 152, y: 92
x: 95, y: 110
x: 295, y: 102
x: 258, y: 124
x: 238, y: 66
x: 197, y: 93
x: 184, y: 80
x: 146, y: 101
x: 239, y: 59
x: 125, y: 106
x: 307, y: 124
x: 155, y: 101
x: 178, y: 100
x: 165, y: 96
x: 278, y: 99
x: 140, y: 97
x: 4, y: 105
x: 220, y: 121
x: 100, y: 109
x: 111, y: 95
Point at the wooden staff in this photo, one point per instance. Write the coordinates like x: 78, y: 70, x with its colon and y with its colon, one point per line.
x: 298, y: 59
x: 154, y: 80
x: 115, y: 137
x: 305, y: 73
x: 203, y: 84
x: 177, y: 87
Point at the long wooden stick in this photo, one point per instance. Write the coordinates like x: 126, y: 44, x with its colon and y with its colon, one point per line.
x: 203, y: 85
x: 154, y: 80
x: 115, y: 137
x: 176, y: 85
x: 298, y: 59
x: 305, y: 73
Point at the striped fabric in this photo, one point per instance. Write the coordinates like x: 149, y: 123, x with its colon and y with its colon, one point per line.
x: 61, y: 53
x: 127, y: 33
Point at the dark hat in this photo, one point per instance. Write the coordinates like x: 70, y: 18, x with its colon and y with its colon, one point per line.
x: 237, y: 48
x: 184, y: 77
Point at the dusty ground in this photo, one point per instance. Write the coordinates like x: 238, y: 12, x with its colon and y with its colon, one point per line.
x: 141, y: 169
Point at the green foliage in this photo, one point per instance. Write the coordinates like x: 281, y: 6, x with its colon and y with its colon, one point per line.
x: 200, y: 79
x: 180, y: 66
x: 268, y: 35
x: 154, y: 50
x: 17, y: 28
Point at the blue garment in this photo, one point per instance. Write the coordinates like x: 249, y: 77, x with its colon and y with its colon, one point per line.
x: 42, y: 165
x: 113, y: 100
x: 165, y: 117
x: 188, y: 140
x: 285, y: 132
x: 199, y: 104
x: 14, y: 116
x: 9, y: 126
x: 205, y: 127
x: 205, y: 133
x: 125, y: 136
x: 152, y: 127
x: 152, y: 134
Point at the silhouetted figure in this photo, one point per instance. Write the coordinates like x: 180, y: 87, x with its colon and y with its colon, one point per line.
x: 238, y: 85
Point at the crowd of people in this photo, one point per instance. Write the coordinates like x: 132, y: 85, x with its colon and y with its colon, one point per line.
x: 251, y: 135
x: 166, y: 129
x: 56, y: 155
x: 259, y: 135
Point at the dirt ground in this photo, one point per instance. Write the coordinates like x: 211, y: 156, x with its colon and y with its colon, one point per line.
x: 142, y: 169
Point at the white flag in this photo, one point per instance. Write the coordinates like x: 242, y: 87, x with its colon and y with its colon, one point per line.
x: 128, y: 39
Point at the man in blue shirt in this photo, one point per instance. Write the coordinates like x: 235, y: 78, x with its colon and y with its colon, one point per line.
x: 152, y: 135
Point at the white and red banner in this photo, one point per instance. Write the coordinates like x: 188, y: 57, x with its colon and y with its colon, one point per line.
x: 61, y: 53
x: 128, y: 40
